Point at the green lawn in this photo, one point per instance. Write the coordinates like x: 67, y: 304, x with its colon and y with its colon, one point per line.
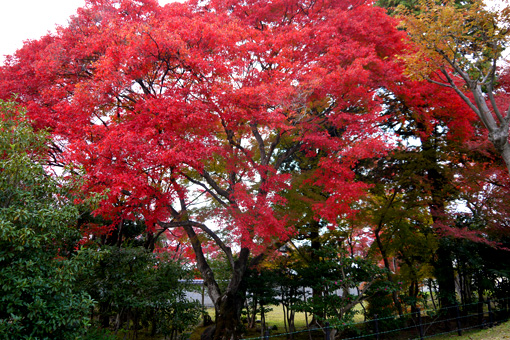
x: 275, y: 318
x: 498, y: 332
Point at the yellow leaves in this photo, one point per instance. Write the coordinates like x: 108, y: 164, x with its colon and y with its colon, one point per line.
x: 447, y: 35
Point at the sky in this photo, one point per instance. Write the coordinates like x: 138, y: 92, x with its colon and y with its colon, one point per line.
x: 22, y: 20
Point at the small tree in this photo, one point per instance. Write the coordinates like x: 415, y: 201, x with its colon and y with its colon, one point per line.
x: 261, y: 292
x: 337, y: 275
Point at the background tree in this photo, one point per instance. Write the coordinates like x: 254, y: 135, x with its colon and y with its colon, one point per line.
x: 460, y: 47
x: 345, y: 282
x: 261, y: 294
x: 417, y: 187
x: 448, y: 143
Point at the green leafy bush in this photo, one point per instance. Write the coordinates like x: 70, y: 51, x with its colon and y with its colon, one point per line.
x: 37, y: 271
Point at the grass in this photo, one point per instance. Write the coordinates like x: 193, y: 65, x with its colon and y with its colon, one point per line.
x: 276, y: 318
x: 499, y: 332
x: 273, y: 318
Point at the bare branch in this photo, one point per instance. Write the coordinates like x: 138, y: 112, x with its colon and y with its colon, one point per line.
x: 215, y: 185
x: 286, y: 155
x: 208, y: 190
x: 491, y: 93
x: 203, y: 227
x: 464, y: 97
x: 260, y: 143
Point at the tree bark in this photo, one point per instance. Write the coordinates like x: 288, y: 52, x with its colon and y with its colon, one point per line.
x: 228, y: 316
x: 498, y: 128
x: 227, y: 304
x: 228, y: 307
x: 443, y: 265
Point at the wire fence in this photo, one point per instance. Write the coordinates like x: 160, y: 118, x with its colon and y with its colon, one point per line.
x: 418, y: 325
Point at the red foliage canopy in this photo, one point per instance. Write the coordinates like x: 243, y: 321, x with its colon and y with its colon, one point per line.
x: 167, y: 106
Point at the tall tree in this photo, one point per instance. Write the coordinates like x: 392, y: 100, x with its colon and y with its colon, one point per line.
x: 165, y: 108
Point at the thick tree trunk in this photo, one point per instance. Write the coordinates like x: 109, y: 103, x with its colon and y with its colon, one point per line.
x: 498, y: 128
x: 497, y: 121
x: 228, y: 307
x: 227, y: 304
x: 505, y: 153
x: 443, y: 264
x: 228, y: 316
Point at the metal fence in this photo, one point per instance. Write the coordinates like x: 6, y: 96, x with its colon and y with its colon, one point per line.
x: 420, y: 324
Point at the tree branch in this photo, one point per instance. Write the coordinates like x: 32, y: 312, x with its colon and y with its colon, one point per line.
x: 464, y: 97
x: 286, y: 154
x: 491, y: 94
x: 216, y: 187
x: 203, y: 227
x: 260, y: 143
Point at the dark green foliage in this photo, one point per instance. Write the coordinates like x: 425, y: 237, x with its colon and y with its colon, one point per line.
x: 381, y: 307
x: 136, y: 288
x: 261, y: 292
x: 37, y: 273
x: 481, y: 269
x: 98, y: 334
x: 340, y: 282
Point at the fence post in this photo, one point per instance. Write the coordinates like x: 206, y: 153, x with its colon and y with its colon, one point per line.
x: 420, y: 327
x: 459, y: 329
x: 480, y: 312
x: 491, y: 315
x: 328, y: 331
x: 376, y: 323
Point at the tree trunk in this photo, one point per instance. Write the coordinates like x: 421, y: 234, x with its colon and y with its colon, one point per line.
x: 227, y: 304
x: 228, y: 316
x: 314, y: 258
x: 104, y: 309
x: 444, y: 273
x: 505, y: 153
x: 443, y: 265
x: 431, y: 290
x: 498, y: 130
x: 252, y: 312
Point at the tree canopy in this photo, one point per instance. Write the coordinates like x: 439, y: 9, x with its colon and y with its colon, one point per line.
x: 189, y: 105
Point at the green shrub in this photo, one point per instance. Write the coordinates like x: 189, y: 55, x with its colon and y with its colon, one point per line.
x: 37, y: 271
